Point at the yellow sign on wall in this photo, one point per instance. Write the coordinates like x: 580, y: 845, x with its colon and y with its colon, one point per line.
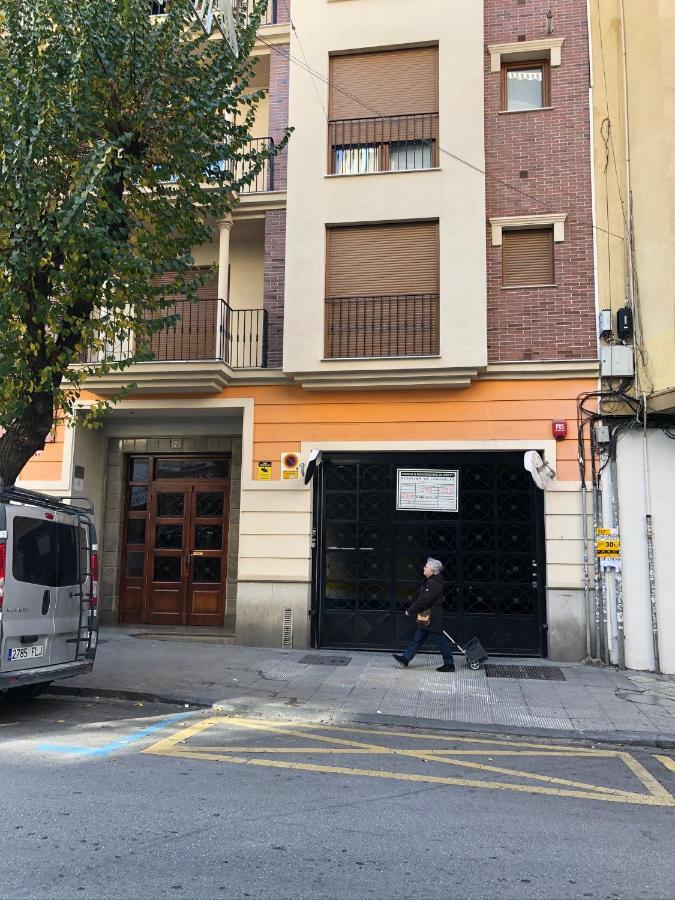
x: 607, y: 543
x: 290, y: 464
x: 265, y: 470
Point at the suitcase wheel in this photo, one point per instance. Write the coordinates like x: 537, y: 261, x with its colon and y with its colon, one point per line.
x: 474, y: 664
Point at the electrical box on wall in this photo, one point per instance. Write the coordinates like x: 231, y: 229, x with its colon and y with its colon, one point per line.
x: 616, y: 361
x: 605, y: 322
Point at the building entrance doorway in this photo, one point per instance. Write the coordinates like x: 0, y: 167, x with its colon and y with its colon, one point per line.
x: 370, y: 553
x: 175, y: 540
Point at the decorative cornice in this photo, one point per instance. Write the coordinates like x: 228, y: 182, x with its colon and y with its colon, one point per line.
x: 546, y: 369
x: 517, y: 50
x: 498, y: 224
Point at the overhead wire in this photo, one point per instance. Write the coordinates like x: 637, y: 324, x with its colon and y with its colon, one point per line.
x: 473, y: 166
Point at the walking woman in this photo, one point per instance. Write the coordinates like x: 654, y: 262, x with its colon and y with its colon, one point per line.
x: 428, y: 609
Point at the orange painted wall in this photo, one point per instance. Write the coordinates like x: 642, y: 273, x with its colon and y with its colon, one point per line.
x: 46, y: 465
x: 487, y: 410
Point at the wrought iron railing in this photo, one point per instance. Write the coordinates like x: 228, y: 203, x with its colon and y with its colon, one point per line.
x: 245, y: 338
x: 205, y: 330
x: 395, y: 325
x: 264, y: 180
x: 383, y: 144
x: 277, y: 10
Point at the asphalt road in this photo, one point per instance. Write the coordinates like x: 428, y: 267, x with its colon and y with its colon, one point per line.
x: 116, y: 800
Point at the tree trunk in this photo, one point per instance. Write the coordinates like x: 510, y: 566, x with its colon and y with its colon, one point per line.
x: 25, y: 436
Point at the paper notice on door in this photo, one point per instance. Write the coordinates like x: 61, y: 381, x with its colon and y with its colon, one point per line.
x: 434, y: 490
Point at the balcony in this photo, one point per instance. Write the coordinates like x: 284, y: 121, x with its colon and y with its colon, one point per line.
x: 196, y: 352
x: 264, y: 180
x: 276, y: 13
x: 383, y: 144
x: 276, y: 10
x: 387, y: 326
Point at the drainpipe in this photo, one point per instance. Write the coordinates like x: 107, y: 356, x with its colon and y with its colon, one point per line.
x: 584, y: 533
x: 618, y: 578
x: 650, y: 540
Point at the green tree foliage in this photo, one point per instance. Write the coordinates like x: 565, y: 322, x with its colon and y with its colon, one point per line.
x: 122, y: 139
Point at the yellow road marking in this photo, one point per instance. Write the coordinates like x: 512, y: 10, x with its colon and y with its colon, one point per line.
x: 642, y: 799
x: 427, y: 757
x: 174, y: 745
x: 667, y: 761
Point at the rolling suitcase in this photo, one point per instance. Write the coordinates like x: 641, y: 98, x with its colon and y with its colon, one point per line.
x: 474, y: 651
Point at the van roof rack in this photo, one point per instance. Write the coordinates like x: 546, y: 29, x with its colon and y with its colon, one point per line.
x: 33, y: 498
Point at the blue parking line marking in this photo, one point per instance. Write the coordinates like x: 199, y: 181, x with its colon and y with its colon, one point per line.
x: 108, y: 749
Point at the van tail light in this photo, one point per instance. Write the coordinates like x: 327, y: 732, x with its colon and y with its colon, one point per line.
x: 3, y: 563
x: 94, y: 579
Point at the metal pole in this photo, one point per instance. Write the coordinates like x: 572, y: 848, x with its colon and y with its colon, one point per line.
x: 618, y: 581
x: 650, y: 540
x: 584, y: 531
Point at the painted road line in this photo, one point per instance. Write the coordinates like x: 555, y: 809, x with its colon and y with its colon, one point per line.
x: 113, y: 746
x: 427, y: 756
x: 667, y: 761
x: 177, y: 745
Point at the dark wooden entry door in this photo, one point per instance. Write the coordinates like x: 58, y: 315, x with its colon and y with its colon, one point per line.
x: 175, y: 541
x: 184, y: 566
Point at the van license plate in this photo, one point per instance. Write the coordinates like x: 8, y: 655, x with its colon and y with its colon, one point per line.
x: 25, y: 652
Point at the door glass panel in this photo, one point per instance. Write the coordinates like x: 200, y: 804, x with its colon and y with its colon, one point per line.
x: 207, y: 569
x: 138, y: 498
x: 136, y: 531
x: 169, y: 537
x: 167, y: 568
x: 140, y: 469
x: 135, y: 565
x: 209, y: 505
x: 208, y: 537
x: 171, y: 505
x: 189, y: 469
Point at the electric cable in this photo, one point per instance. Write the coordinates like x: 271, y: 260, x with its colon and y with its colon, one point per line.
x: 314, y: 73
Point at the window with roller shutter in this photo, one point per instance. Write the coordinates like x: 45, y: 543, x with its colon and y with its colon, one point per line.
x: 382, y: 290
x: 527, y: 257
x: 383, y: 111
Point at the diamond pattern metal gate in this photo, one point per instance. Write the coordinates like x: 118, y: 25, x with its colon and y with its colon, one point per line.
x: 369, y: 556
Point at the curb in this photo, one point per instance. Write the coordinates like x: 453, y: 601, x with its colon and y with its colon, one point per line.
x: 133, y: 696
x: 628, y: 738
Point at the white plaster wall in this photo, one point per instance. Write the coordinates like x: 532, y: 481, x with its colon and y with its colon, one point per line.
x: 632, y: 509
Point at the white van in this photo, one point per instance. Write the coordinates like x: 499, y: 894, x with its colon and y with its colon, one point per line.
x: 48, y: 590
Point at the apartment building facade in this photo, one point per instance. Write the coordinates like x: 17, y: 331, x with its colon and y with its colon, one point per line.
x: 407, y: 300
x: 634, y: 136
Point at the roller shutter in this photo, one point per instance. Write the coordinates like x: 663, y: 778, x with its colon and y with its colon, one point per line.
x: 527, y: 257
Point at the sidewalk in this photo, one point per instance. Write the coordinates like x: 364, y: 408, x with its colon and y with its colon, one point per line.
x: 591, y: 703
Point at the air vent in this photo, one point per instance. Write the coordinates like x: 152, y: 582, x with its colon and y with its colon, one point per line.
x: 287, y: 630
x: 538, y: 673
x: 313, y: 659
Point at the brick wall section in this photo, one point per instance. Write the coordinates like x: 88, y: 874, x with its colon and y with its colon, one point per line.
x: 283, y: 8
x: 273, y: 301
x: 554, y: 147
x: 278, y: 107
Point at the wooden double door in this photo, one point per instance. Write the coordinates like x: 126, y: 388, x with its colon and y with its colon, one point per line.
x: 178, y: 576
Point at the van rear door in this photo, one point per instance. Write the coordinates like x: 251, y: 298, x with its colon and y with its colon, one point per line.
x: 30, y: 588
x: 73, y: 586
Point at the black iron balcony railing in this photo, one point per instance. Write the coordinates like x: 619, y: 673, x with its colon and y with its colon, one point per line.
x: 396, y: 325
x: 383, y: 144
x: 264, y: 180
x: 276, y: 9
x: 208, y: 330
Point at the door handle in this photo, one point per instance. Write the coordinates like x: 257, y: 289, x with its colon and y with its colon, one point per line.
x: 46, y: 601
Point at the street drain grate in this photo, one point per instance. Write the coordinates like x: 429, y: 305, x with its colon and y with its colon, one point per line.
x: 314, y: 660
x: 536, y: 673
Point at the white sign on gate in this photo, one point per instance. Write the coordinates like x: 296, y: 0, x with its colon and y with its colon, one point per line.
x: 432, y: 489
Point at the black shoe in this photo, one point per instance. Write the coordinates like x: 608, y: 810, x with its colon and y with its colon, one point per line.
x: 446, y: 667
x: 400, y: 659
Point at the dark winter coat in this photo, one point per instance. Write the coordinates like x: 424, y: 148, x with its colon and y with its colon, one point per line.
x: 430, y: 596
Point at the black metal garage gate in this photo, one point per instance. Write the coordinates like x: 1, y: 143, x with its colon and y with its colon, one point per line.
x: 369, y: 555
